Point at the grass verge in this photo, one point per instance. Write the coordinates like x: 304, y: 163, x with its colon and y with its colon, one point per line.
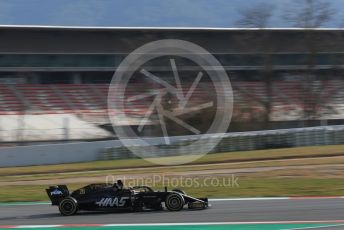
x: 248, y: 187
x: 242, y: 156
x: 320, y: 181
x: 339, y: 160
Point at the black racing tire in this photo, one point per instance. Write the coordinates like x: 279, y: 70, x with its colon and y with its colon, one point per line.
x: 68, y: 206
x: 179, y: 191
x: 174, y: 202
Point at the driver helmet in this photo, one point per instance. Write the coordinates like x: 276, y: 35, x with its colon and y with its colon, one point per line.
x: 119, y: 184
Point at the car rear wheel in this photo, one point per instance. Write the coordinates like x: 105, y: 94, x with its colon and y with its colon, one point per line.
x: 174, y: 202
x: 68, y: 206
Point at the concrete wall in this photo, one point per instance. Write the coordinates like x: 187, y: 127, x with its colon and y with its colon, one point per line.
x: 53, y: 154
x: 28, y: 127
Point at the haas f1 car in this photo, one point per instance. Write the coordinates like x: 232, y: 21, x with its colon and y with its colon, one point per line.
x: 104, y: 197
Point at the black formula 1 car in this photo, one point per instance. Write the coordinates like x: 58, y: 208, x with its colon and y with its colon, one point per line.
x: 104, y: 197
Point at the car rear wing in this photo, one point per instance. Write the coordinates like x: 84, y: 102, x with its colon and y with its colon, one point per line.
x: 57, y: 193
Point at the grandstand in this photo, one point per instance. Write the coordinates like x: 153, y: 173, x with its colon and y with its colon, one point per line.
x: 62, y: 75
x: 91, y: 99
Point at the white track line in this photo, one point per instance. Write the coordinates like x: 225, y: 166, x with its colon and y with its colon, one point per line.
x: 316, y: 227
x: 230, y: 223
x: 24, y: 204
x: 333, y: 222
x: 250, y: 199
x: 38, y: 226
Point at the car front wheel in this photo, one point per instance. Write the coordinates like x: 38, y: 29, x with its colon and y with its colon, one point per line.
x: 174, y: 202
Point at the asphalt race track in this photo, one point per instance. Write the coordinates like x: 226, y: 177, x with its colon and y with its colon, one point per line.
x: 246, y: 210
